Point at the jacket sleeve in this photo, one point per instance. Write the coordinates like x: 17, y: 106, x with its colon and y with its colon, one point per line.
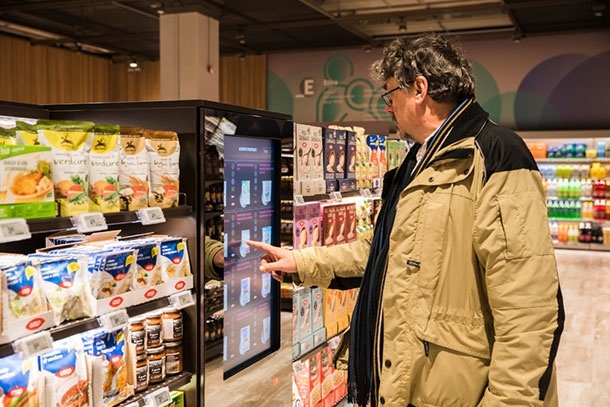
x: 209, y: 269
x: 327, y: 266
x: 514, y: 247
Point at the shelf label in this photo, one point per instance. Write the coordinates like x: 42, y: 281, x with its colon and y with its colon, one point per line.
x: 134, y: 404
x: 15, y: 229
x: 158, y: 398
x: 297, y: 366
x: 336, y: 196
x: 299, y: 200
x: 151, y: 215
x: 182, y: 299
x: 114, y: 321
x: 89, y: 222
x: 34, y: 344
x: 366, y: 193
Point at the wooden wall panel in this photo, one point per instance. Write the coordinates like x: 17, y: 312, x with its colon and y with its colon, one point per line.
x: 48, y: 75
x: 128, y: 86
x: 243, y: 82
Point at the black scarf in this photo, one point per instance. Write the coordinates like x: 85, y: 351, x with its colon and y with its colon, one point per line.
x: 361, y: 387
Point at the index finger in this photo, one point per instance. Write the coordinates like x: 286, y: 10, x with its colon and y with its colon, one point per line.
x: 260, y: 245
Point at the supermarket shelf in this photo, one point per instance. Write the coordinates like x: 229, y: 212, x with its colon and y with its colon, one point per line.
x: 48, y: 225
x: 572, y: 160
x: 171, y: 382
x: 582, y: 246
x: 73, y: 327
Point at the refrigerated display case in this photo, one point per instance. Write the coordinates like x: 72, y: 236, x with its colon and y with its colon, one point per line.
x: 210, y: 135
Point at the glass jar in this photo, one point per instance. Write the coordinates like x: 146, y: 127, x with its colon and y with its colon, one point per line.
x: 137, y: 334
x: 141, y: 373
x: 172, y: 324
x: 154, y: 336
x: 173, y: 357
x: 156, y: 364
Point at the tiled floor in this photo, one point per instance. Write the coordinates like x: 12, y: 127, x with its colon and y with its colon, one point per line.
x: 583, y: 359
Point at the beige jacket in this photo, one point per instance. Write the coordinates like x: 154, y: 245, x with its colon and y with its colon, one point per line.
x: 471, y: 306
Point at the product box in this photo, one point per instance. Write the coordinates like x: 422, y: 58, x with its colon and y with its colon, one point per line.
x: 302, y: 152
x: 341, y: 310
x: 326, y: 376
x: 307, y: 379
x: 350, y: 222
x: 330, y: 312
x: 300, y: 233
x: 177, y: 398
x: 313, y: 222
x: 350, y: 148
x: 317, y: 152
x: 302, y: 297
x: 330, y: 155
x: 340, y: 219
x: 317, y: 305
x: 340, y: 146
x: 331, y: 186
x: 329, y: 226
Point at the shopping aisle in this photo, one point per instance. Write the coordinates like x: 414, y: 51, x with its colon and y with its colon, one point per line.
x: 266, y: 383
x: 583, y: 359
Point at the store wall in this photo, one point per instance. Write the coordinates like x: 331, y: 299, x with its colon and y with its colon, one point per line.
x: 49, y: 75
x: 547, y: 82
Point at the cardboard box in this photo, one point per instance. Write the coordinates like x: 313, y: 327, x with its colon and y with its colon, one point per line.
x: 350, y: 147
x: 329, y: 227
x: 330, y: 155
x: 340, y: 145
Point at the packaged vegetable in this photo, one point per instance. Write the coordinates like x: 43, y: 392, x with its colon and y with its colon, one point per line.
x: 104, y: 169
x: 70, y: 142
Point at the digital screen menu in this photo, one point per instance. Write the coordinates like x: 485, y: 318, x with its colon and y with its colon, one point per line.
x: 249, y: 215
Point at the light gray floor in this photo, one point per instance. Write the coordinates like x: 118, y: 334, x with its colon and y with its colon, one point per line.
x: 583, y: 359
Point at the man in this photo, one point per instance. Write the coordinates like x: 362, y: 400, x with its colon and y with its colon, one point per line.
x: 459, y: 303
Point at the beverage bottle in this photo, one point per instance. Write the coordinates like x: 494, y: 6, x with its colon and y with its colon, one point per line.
x: 551, y: 187
x: 581, y: 232
x: 554, y: 231
x: 573, y: 234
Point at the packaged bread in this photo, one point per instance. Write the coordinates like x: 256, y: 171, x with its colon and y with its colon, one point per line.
x: 104, y: 159
x: 133, y: 169
x: 164, y: 164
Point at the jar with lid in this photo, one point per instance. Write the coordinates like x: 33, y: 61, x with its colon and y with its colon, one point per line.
x: 173, y: 357
x: 154, y: 337
x: 156, y: 364
x: 137, y: 334
x: 172, y: 324
x: 141, y: 373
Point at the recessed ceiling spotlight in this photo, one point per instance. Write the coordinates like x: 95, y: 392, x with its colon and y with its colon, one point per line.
x: 402, y: 26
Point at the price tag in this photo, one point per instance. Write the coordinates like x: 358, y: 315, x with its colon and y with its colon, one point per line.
x: 113, y: 321
x: 336, y: 196
x: 299, y: 200
x: 158, y: 398
x: 297, y: 366
x: 34, y: 344
x: 365, y: 193
x: 89, y: 222
x: 151, y: 216
x: 182, y: 299
x: 12, y: 230
x: 334, y: 342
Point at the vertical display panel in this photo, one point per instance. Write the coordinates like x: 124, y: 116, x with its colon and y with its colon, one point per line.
x: 251, y: 212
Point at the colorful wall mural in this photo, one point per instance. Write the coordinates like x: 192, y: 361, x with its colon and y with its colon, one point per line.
x: 559, y: 82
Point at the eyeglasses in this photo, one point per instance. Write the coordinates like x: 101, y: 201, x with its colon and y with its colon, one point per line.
x: 386, y: 96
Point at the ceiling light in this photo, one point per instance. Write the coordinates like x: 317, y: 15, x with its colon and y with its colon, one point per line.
x: 133, y: 64
x: 241, y: 38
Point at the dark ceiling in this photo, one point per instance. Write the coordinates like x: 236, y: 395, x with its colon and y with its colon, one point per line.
x: 123, y: 29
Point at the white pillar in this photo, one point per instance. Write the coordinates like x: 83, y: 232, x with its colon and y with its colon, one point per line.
x: 189, y: 57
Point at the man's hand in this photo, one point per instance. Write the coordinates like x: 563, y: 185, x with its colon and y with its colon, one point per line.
x: 275, y: 261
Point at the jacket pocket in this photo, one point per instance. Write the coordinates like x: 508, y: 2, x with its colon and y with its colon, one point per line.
x: 434, y: 241
x: 523, y: 237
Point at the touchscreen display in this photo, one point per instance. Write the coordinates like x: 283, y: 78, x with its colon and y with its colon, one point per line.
x: 249, y: 215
